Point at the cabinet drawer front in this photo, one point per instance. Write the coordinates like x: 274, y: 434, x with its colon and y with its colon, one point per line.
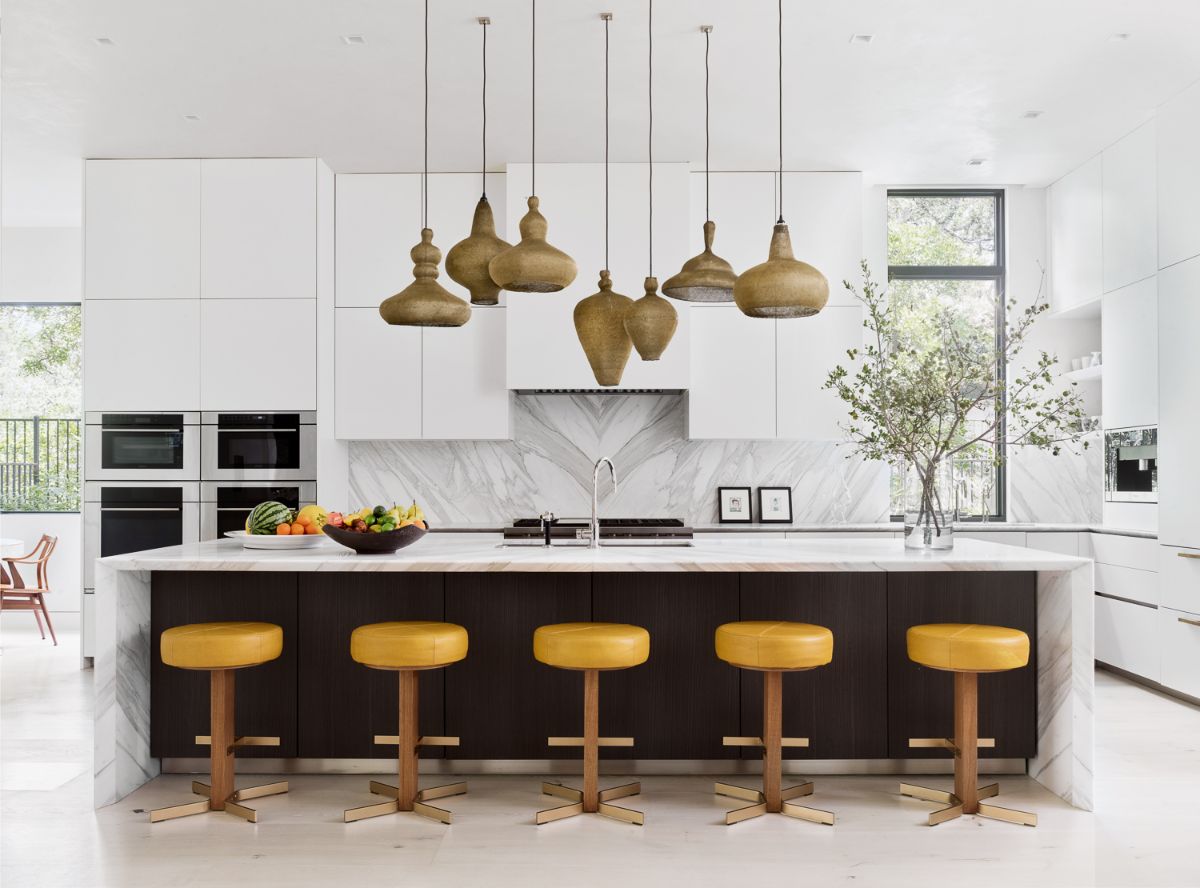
x: 1127, y: 636
x: 1125, y: 582
x: 1179, y: 577
x: 1135, y: 552
x: 1179, y: 642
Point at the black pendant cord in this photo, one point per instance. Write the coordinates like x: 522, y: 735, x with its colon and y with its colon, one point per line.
x: 650, y: 128
x: 606, y: 21
x: 780, y: 222
x: 425, y: 167
x: 483, y: 163
x: 707, y: 34
x: 533, y: 100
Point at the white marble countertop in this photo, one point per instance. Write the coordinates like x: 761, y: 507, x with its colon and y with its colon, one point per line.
x: 444, y: 553
x: 879, y: 527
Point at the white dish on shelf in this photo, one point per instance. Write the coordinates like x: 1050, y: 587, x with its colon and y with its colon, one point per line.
x: 270, y: 541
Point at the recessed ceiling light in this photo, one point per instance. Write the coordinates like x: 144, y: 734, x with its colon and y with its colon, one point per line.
x: 861, y: 38
x: 104, y: 41
x: 976, y: 161
x: 192, y: 117
x: 1120, y: 37
x: 1032, y: 115
x: 354, y: 40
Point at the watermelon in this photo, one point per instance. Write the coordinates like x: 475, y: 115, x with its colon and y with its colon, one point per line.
x: 265, y: 517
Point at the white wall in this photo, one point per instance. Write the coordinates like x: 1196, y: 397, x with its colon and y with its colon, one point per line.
x: 41, y: 264
x: 67, y: 560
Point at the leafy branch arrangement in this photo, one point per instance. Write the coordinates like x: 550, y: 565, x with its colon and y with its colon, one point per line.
x: 926, y: 390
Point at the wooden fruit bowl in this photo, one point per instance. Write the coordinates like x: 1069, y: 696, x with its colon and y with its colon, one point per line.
x: 375, y: 543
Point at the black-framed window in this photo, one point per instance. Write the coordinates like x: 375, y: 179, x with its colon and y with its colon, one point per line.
x: 946, y: 251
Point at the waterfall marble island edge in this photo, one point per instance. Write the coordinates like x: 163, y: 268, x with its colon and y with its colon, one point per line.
x: 1064, y: 622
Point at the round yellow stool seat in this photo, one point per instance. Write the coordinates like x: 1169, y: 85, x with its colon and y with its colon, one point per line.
x: 772, y: 644
x: 968, y: 647
x: 591, y: 645
x: 414, y: 644
x: 221, y: 645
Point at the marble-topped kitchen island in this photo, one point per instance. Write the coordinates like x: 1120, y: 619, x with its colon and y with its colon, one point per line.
x: 866, y: 590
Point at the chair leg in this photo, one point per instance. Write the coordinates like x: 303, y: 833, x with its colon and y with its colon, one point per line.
x: 38, y: 616
x: 409, y: 706
x: 46, y: 614
x: 220, y: 752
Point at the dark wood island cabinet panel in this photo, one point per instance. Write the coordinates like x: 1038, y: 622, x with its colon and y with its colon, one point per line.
x: 921, y: 700
x: 344, y: 704
x: 842, y: 707
x: 265, y: 696
x: 683, y: 700
x: 501, y: 702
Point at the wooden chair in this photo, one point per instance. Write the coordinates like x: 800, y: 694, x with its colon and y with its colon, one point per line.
x: 15, y: 595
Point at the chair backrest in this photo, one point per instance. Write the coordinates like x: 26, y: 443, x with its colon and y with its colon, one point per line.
x: 39, y: 556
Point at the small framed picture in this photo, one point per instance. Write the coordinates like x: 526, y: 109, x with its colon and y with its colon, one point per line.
x: 775, y: 505
x: 733, y: 505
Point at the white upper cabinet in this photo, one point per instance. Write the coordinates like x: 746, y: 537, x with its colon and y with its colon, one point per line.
x: 1129, y: 339
x: 366, y: 406
x: 824, y: 213
x: 1076, y: 252
x: 258, y: 221
x: 1129, y: 202
x: 743, y: 208
x: 258, y: 354
x: 141, y: 354
x: 732, y: 393
x: 1178, y: 126
x: 808, y: 349
x: 463, y: 393
x: 1179, y: 420
x: 378, y: 224
x: 142, y: 224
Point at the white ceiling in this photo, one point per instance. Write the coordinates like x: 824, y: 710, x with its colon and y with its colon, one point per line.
x: 942, y: 82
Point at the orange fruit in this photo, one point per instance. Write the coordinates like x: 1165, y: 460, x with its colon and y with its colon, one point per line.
x: 303, y: 520
x: 283, y: 529
x: 419, y: 523
x: 312, y: 528
x: 298, y: 529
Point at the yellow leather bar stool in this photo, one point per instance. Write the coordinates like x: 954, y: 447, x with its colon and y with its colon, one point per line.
x: 408, y: 648
x: 773, y: 648
x: 591, y: 648
x: 221, y: 649
x: 966, y: 650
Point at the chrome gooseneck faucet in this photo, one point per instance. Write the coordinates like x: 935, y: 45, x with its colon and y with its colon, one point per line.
x: 594, y: 529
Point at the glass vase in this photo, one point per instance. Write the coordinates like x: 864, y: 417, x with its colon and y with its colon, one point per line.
x: 929, y: 507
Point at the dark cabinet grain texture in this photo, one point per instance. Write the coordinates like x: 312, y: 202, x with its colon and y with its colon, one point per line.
x: 842, y: 707
x: 265, y: 696
x: 344, y: 704
x: 921, y: 700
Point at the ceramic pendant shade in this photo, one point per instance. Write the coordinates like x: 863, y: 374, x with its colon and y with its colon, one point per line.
x: 651, y: 322
x: 704, y: 278
x: 468, y: 260
x: 600, y: 325
x: 783, y: 286
x: 533, y: 266
x: 425, y: 302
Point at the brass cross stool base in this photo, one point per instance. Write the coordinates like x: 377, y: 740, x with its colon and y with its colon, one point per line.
x: 966, y: 650
x: 773, y: 648
x: 407, y: 648
x: 590, y: 648
x: 222, y: 648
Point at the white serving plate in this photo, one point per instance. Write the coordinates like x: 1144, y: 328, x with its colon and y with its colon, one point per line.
x: 267, y: 541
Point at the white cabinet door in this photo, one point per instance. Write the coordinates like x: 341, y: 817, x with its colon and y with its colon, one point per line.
x: 743, y: 207
x: 1127, y: 636
x: 1179, y: 642
x: 141, y: 354
x: 258, y: 354
x: 1178, y: 418
x: 463, y: 392
x: 808, y: 349
x: 371, y: 405
x: 732, y: 392
x: 1130, y: 217
x: 258, y: 229
x: 1178, y: 126
x: 1076, y: 252
x: 1129, y: 338
x: 824, y: 212
x: 142, y: 229
x: 378, y: 224
x: 1179, y: 578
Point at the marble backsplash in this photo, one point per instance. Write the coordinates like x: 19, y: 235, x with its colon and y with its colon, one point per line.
x: 557, y: 439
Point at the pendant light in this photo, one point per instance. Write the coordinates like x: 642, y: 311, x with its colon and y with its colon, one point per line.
x: 783, y: 286
x: 533, y: 266
x: 651, y: 321
x: 706, y: 277
x: 600, y: 318
x: 467, y: 262
x: 425, y: 302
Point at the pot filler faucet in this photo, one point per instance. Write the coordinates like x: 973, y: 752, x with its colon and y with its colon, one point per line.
x: 594, y: 527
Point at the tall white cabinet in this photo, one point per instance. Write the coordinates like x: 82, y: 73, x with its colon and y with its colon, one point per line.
x: 1076, y: 236
x: 1179, y: 420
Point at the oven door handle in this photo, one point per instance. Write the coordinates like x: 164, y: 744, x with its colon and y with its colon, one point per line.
x: 142, y: 430
x: 141, y: 508
x: 252, y: 431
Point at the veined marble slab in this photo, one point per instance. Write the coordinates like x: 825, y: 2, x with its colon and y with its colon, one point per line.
x: 1064, y: 600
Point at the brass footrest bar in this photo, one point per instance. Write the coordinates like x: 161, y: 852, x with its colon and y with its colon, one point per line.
x: 394, y: 740
x: 575, y: 797
x: 941, y: 743
x: 786, y: 742
x: 600, y: 741
x: 954, y: 807
x: 206, y: 740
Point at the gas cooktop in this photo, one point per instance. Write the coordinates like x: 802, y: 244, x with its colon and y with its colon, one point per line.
x: 642, y: 530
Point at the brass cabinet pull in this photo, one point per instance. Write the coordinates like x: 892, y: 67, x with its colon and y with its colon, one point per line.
x: 1189, y: 622
x: 1188, y: 554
